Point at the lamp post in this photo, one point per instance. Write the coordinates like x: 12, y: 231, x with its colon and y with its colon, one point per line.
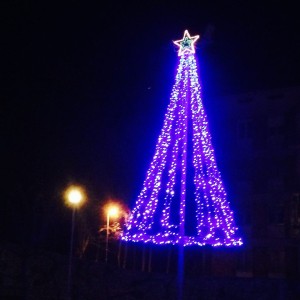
x: 111, y: 211
x: 74, y: 197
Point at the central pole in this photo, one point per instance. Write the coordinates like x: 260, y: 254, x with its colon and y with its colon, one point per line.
x: 183, y: 191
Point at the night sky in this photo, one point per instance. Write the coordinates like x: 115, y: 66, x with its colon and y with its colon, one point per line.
x: 84, y: 89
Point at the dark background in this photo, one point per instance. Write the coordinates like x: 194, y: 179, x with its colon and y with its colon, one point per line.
x: 84, y: 88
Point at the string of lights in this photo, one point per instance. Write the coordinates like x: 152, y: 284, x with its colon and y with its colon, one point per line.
x: 152, y: 218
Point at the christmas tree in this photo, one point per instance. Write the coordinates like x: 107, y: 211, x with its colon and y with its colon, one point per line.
x: 183, y: 200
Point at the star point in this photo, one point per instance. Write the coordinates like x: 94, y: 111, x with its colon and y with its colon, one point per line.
x: 186, y: 44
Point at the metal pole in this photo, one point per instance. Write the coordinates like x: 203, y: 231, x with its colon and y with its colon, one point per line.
x: 119, y: 253
x: 70, y: 256
x: 107, y: 233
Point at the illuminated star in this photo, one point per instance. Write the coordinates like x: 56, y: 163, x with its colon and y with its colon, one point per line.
x: 186, y: 44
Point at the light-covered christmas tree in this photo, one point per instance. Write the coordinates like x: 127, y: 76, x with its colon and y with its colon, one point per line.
x: 183, y: 200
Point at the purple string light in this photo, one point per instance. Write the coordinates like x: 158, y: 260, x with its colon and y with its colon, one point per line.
x: 150, y: 220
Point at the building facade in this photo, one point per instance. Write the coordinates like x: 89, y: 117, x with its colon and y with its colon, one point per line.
x: 257, y: 143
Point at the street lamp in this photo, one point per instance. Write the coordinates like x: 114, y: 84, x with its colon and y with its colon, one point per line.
x: 111, y: 211
x: 74, y: 197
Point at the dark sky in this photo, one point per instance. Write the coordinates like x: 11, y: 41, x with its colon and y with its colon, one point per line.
x: 84, y: 89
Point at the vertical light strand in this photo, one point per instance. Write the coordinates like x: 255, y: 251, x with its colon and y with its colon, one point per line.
x: 178, y: 134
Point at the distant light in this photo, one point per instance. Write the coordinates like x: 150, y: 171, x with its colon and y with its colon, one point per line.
x: 74, y: 195
x: 113, y: 211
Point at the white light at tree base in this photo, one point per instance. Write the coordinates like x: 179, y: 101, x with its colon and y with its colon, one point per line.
x: 185, y: 122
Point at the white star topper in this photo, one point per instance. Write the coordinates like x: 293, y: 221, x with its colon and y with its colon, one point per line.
x: 186, y: 44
